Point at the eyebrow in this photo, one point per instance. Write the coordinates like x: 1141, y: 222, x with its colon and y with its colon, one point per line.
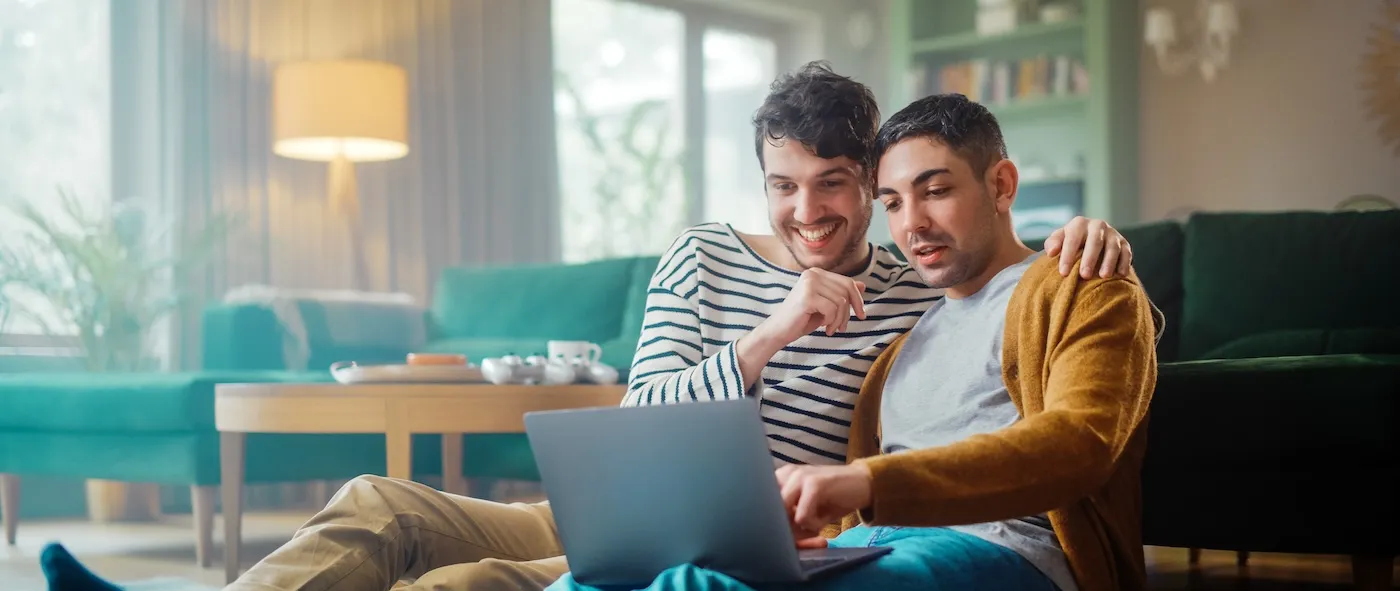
x: 918, y: 180
x: 825, y: 173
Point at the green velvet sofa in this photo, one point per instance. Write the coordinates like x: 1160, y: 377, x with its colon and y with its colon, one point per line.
x: 1272, y: 428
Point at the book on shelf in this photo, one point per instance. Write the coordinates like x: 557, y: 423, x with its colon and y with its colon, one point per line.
x: 1001, y: 82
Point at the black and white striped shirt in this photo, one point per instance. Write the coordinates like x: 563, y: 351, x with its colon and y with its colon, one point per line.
x: 710, y: 289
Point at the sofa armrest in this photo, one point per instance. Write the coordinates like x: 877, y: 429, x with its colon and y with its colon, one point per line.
x: 309, y: 334
x: 241, y: 337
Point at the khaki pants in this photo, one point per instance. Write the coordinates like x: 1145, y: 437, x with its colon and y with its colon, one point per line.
x: 376, y: 531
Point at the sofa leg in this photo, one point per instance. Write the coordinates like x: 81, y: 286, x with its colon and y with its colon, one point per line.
x: 9, y: 505
x: 202, y: 498
x: 1373, y: 572
x: 1193, y: 556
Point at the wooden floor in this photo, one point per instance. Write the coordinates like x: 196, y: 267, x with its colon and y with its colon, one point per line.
x: 129, y: 552
x: 1168, y: 568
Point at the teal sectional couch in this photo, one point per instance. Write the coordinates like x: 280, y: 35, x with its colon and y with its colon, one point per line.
x: 159, y: 428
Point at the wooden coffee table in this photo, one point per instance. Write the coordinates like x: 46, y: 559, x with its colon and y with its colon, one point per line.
x: 396, y: 410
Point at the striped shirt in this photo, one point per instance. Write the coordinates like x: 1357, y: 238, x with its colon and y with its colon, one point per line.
x: 710, y: 289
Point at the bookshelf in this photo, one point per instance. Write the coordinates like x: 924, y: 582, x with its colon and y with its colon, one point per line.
x: 1063, y: 87
x: 972, y: 40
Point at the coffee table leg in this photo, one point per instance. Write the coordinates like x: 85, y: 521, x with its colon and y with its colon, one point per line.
x: 231, y: 460
x: 452, y: 480
x: 399, y: 445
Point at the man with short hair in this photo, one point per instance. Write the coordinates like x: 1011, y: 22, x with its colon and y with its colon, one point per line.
x: 998, y: 443
x: 794, y: 319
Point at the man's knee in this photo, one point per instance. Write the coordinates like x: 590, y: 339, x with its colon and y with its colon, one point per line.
x: 372, y: 486
x: 367, y: 495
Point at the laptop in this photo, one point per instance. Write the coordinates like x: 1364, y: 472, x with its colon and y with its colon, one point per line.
x: 638, y: 490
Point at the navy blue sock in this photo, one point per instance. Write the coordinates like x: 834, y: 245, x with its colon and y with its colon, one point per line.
x: 65, y: 573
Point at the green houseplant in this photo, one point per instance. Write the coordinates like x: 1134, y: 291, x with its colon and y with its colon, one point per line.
x: 104, y: 276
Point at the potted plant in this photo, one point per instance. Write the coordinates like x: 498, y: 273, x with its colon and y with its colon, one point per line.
x: 105, y: 276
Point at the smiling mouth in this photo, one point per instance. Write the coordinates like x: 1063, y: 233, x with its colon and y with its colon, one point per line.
x: 817, y: 236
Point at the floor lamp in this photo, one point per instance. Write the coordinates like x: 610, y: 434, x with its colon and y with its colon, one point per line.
x: 341, y: 112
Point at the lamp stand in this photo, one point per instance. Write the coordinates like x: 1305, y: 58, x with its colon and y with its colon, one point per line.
x: 345, y: 201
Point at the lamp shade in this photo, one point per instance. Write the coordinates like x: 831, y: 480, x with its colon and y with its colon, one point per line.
x: 351, y: 109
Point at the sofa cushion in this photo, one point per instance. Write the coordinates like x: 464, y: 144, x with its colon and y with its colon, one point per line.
x: 634, y: 313
x: 1157, y: 250
x: 1291, y: 413
x: 1311, y: 341
x: 1251, y: 273
x: 249, y: 336
x: 533, y: 301
x: 122, y: 402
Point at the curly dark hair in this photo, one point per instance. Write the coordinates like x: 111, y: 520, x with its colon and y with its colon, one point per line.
x: 830, y: 114
x: 966, y: 127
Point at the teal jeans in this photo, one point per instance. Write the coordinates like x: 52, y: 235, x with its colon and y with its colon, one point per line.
x: 926, y: 559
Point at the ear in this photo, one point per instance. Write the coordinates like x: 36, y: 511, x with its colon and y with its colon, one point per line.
x: 1002, y: 180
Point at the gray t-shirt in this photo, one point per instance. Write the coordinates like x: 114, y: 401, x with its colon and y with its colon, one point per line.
x: 946, y: 386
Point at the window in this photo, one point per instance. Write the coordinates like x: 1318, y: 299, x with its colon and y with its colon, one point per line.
x: 653, y: 104
x: 54, y: 126
x: 621, y: 126
x: 738, y: 69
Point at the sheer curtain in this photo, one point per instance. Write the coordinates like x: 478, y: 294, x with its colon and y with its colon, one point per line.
x: 479, y: 183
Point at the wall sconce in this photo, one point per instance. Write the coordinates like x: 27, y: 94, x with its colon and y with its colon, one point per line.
x: 1218, y: 22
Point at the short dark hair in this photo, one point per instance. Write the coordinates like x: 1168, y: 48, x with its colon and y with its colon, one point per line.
x: 966, y: 127
x: 830, y: 114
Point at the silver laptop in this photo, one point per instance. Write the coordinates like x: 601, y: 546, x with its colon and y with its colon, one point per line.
x: 636, y: 491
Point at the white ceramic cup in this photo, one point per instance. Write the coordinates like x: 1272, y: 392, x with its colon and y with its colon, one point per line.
x: 566, y: 351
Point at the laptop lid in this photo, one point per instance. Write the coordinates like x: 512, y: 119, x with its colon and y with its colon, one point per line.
x: 635, y: 491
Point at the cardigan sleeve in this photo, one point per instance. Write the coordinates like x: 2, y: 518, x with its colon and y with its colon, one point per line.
x: 1102, y: 371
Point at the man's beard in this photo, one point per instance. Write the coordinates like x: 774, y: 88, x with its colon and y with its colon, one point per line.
x: 957, y: 265
x: 856, y: 232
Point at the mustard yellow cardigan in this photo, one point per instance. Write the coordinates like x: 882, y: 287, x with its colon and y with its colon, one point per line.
x: 1080, y: 365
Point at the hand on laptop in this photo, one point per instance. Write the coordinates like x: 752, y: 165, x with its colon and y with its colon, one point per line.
x: 819, y: 495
